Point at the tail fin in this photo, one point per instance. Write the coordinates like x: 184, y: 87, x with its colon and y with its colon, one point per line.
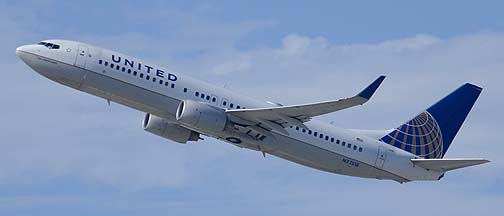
x: 431, y: 132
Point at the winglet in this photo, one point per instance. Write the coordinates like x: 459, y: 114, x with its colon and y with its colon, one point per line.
x: 370, y: 90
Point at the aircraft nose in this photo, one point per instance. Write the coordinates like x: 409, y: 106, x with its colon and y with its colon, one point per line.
x: 23, y: 54
x: 19, y: 50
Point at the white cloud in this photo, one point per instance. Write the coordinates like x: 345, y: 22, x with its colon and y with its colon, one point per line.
x: 295, y: 45
x: 414, y: 43
x: 240, y: 65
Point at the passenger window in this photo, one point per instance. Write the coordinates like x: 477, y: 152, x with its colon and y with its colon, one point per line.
x: 153, y: 79
x: 202, y: 96
x: 100, y: 61
x: 349, y: 145
x: 141, y: 75
x: 214, y: 99
x: 321, y: 136
x: 208, y: 97
x: 326, y: 138
x: 147, y: 77
x: 196, y: 94
x: 237, y: 106
x: 161, y: 82
x: 304, y: 131
x: 360, y: 149
x: 111, y: 65
x: 134, y: 72
x: 118, y: 67
x: 224, y: 103
x: 123, y: 69
x: 309, y: 132
x: 337, y: 141
x: 343, y: 143
x: 332, y: 139
x: 315, y: 133
x: 297, y: 128
x: 231, y: 105
x: 173, y: 85
x: 185, y: 89
x: 354, y: 147
x: 106, y: 63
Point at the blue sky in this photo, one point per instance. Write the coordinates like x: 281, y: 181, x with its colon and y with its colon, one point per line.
x: 64, y: 152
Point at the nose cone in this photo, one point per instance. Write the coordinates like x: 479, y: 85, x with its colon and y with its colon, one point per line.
x: 23, y: 53
x: 18, y: 50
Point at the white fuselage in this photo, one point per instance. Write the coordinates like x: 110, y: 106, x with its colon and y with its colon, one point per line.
x: 123, y: 79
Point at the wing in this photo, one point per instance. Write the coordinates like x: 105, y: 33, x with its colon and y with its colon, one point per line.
x: 447, y: 164
x: 283, y: 116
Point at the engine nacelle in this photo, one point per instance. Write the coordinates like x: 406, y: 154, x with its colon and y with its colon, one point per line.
x: 168, y: 130
x: 201, y: 116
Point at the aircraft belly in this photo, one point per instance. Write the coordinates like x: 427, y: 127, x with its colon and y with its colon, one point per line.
x: 130, y: 95
x: 313, y: 156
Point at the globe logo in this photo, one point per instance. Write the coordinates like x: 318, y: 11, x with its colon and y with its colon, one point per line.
x: 420, y: 136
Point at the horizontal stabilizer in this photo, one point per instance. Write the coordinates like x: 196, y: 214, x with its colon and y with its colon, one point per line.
x: 447, y: 164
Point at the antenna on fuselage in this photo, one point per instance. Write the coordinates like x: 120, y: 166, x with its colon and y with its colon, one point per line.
x: 263, y: 152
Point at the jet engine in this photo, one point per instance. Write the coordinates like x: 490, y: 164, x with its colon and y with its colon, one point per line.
x: 168, y: 130
x: 201, y: 116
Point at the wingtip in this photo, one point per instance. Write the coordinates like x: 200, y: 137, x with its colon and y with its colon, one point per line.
x: 370, y: 90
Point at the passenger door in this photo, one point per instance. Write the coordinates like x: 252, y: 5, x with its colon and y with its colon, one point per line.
x: 82, y: 52
x: 381, y: 157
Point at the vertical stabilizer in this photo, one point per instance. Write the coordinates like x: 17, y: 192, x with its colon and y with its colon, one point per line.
x: 431, y: 132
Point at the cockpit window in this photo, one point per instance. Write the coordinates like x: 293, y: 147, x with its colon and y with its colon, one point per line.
x: 49, y: 45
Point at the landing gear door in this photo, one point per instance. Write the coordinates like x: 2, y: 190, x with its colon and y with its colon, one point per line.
x: 381, y: 157
x: 82, y: 53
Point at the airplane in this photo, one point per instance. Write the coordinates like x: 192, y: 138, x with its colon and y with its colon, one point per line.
x: 184, y: 109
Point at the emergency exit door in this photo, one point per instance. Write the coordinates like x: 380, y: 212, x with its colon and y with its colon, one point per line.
x: 82, y: 53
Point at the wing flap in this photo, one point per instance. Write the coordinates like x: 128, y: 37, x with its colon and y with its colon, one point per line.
x: 447, y: 164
